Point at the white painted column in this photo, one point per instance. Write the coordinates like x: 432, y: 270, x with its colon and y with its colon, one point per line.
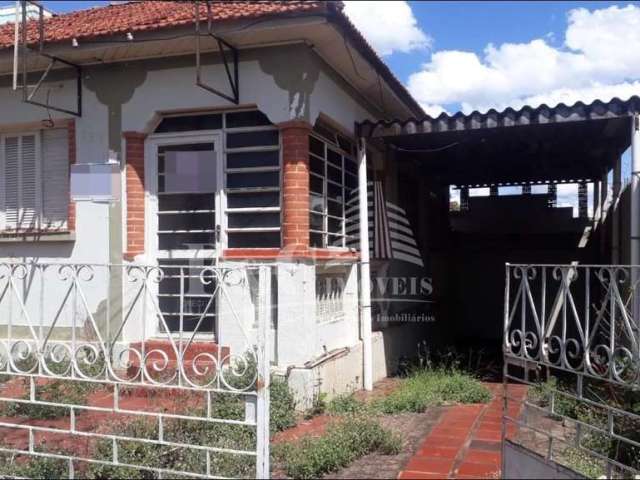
x: 365, y: 270
x: 615, y: 219
x: 264, y: 372
x: 635, y: 214
x: 604, y: 191
x: 635, y: 191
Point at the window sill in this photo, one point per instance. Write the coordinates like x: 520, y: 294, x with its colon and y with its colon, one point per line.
x: 276, y: 253
x: 9, y: 236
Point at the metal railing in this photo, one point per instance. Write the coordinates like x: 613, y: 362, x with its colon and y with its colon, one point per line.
x: 101, y: 375
x: 572, y: 336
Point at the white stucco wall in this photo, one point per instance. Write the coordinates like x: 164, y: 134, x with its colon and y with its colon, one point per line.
x: 285, y: 83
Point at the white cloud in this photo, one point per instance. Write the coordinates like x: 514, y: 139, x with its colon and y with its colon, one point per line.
x: 599, y: 59
x: 389, y: 26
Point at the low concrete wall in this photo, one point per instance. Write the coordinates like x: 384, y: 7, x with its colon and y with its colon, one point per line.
x: 341, y: 372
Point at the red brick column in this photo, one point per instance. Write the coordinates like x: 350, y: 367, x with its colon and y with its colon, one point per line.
x: 134, y: 154
x: 71, y: 138
x: 295, y: 186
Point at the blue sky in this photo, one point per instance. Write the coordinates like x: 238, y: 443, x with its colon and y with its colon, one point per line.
x: 476, y: 55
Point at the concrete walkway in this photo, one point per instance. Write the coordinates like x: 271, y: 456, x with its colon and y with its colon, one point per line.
x: 466, y: 442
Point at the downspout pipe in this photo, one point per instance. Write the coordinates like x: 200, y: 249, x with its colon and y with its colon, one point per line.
x: 635, y: 190
x: 365, y: 270
x: 635, y: 213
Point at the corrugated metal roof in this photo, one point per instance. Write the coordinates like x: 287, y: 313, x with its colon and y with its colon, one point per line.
x: 527, y: 115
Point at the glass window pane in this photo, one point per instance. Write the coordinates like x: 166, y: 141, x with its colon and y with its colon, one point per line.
x: 316, y: 146
x: 316, y: 184
x: 334, y: 192
x: 316, y: 165
x: 186, y: 202
x: 253, y: 179
x: 315, y: 240
x: 350, y: 181
x: 334, y: 174
x: 254, y: 240
x: 253, y: 118
x: 189, y: 123
x: 335, y: 241
x: 254, y: 220
x: 252, y: 139
x: 334, y: 158
x: 316, y: 203
x: 186, y: 241
x: 334, y: 226
x: 253, y: 159
x: 257, y: 199
x: 186, y: 221
x: 316, y: 222
x: 334, y: 208
x: 351, y: 166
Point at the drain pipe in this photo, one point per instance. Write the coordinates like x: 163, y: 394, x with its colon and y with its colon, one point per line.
x: 635, y: 190
x: 635, y: 211
x: 365, y: 273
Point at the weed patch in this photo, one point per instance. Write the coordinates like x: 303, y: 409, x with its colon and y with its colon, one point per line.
x: 344, y: 442
x: 426, y: 388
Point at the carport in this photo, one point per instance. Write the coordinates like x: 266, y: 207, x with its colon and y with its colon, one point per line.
x: 533, y: 150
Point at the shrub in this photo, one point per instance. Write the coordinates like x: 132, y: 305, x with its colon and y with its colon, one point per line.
x: 425, y: 388
x: 59, y: 391
x: 32, y: 467
x: 344, y: 442
x: 346, y: 404
x: 283, y: 406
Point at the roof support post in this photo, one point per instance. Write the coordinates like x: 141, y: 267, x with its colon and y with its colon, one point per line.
x: 635, y: 209
x: 604, y: 194
x: 615, y: 218
x: 635, y: 190
x: 365, y: 270
x: 595, y: 203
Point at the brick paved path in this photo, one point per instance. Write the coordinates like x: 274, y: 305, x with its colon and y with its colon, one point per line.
x: 466, y: 443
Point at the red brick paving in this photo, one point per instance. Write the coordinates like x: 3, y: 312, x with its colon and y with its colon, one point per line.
x: 314, y: 427
x: 466, y: 443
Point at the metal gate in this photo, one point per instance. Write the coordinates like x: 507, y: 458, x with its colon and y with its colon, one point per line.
x: 94, y: 381
x: 571, y: 371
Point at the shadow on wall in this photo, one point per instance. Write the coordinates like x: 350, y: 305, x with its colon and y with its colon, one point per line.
x: 297, y: 75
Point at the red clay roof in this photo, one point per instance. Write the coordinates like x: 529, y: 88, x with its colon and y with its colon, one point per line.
x: 150, y: 15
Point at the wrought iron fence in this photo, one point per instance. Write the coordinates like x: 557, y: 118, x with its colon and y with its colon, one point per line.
x: 121, y: 370
x: 571, y: 336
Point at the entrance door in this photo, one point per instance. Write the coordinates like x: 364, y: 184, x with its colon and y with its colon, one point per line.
x: 185, y: 199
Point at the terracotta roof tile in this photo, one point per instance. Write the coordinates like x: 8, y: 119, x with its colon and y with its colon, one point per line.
x: 150, y: 15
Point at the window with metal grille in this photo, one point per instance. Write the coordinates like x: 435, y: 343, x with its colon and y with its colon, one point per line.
x: 330, y: 288
x: 251, y: 174
x: 333, y: 181
x: 34, y: 180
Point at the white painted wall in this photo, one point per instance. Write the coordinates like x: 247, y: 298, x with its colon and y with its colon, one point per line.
x: 305, y: 91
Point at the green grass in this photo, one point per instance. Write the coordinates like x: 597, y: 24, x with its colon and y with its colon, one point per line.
x: 344, y: 442
x: 427, y: 388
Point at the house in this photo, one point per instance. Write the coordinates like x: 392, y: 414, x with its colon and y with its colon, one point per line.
x: 159, y: 134
x: 157, y: 156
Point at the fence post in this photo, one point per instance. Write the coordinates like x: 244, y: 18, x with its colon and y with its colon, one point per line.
x: 264, y: 366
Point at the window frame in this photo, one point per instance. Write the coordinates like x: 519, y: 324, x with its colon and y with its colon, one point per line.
x: 225, y: 210
x: 39, y: 219
x: 334, y: 146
